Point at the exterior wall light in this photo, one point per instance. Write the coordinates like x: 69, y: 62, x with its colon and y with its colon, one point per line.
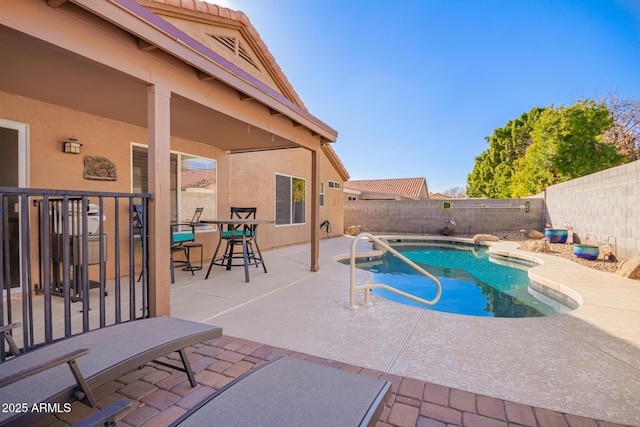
x: 71, y: 145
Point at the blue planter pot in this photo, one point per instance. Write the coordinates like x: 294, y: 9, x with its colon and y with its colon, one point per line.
x: 586, y: 251
x: 556, y: 235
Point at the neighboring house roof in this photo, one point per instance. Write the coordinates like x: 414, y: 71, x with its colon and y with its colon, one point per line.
x: 411, y: 188
x: 438, y: 196
x: 197, y: 178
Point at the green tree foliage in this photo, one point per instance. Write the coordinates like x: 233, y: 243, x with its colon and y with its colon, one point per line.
x: 543, y: 147
x: 493, y: 171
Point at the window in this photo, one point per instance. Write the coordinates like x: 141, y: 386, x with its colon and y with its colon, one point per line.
x: 290, y: 200
x: 321, y: 194
x: 335, y: 185
x: 352, y: 198
x: 195, y: 176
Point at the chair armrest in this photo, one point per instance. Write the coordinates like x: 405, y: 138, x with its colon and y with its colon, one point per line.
x: 105, y: 416
x: 9, y: 327
x: 33, y: 370
x: 183, y: 224
x: 69, y: 358
x: 5, y: 331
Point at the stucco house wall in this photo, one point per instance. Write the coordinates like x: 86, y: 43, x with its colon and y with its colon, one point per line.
x: 243, y: 179
x: 252, y: 178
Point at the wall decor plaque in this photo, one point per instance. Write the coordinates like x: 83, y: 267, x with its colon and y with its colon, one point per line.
x: 99, y: 168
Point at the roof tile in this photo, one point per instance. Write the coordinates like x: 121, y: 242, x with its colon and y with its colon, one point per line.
x: 408, y: 187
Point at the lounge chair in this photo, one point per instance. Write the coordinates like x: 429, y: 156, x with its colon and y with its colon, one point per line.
x: 103, y: 355
x: 291, y: 392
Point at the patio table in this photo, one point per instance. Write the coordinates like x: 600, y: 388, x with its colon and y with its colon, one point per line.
x: 247, y: 224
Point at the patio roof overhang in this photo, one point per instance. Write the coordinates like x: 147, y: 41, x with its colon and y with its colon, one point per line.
x: 59, y: 68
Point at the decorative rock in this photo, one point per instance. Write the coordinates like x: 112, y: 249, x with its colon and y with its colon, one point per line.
x: 540, y: 246
x: 630, y: 268
x: 485, y: 238
x: 447, y: 231
x: 535, y: 234
x: 354, y: 230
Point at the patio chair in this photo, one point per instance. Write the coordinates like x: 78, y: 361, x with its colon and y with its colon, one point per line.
x: 292, y: 392
x: 95, y: 358
x: 193, y: 245
x: 180, y: 234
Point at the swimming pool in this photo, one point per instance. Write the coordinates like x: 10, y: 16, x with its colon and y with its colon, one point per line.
x: 472, y: 282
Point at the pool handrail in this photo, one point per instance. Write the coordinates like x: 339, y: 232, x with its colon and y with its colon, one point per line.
x: 367, y: 287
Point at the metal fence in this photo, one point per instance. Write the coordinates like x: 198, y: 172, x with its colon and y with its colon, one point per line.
x: 70, y: 261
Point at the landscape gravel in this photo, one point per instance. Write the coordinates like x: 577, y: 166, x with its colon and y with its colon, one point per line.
x: 565, y: 250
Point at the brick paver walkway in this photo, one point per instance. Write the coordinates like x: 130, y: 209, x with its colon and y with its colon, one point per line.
x: 160, y: 395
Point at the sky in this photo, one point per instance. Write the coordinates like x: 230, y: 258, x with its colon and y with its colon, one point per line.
x: 414, y: 87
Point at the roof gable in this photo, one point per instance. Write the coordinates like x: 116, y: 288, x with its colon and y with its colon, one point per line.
x: 332, y: 156
x: 230, y: 34
x: 413, y: 188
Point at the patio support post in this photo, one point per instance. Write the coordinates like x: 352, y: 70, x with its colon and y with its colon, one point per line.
x: 159, y: 109
x: 315, y: 208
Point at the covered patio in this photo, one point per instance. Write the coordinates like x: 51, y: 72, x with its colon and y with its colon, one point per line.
x: 110, y: 73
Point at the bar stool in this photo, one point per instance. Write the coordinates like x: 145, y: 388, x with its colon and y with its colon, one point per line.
x: 192, y: 266
x: 239, y: 236
x: 193, y: 245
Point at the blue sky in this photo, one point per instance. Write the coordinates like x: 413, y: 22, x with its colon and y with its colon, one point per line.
x: 413, y: 87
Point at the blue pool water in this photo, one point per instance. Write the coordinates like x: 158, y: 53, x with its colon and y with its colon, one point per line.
x: 472, y: 284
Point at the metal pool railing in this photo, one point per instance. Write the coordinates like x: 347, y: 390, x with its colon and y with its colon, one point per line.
x: 367, y: 287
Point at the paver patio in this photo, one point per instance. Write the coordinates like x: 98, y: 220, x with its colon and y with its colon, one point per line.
x: 160, y: 395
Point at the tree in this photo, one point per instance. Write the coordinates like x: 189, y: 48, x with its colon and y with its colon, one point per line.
x: 625, y: 131
x: 544, y: 147
x: 577, y: 137
x: 492, y: 174
x: 455, y: 193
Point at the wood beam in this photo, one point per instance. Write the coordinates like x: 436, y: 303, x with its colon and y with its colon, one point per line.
x: 145, y: 46
x: 244, y: 97
x: 204, y: 76
x: 56, y: 3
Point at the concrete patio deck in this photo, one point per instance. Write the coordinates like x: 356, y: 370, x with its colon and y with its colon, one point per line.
x: 569, y: 369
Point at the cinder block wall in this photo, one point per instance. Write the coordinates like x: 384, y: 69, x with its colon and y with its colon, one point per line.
x: 472, y: 216
x: 601, y: 208
x: 604, y: 206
